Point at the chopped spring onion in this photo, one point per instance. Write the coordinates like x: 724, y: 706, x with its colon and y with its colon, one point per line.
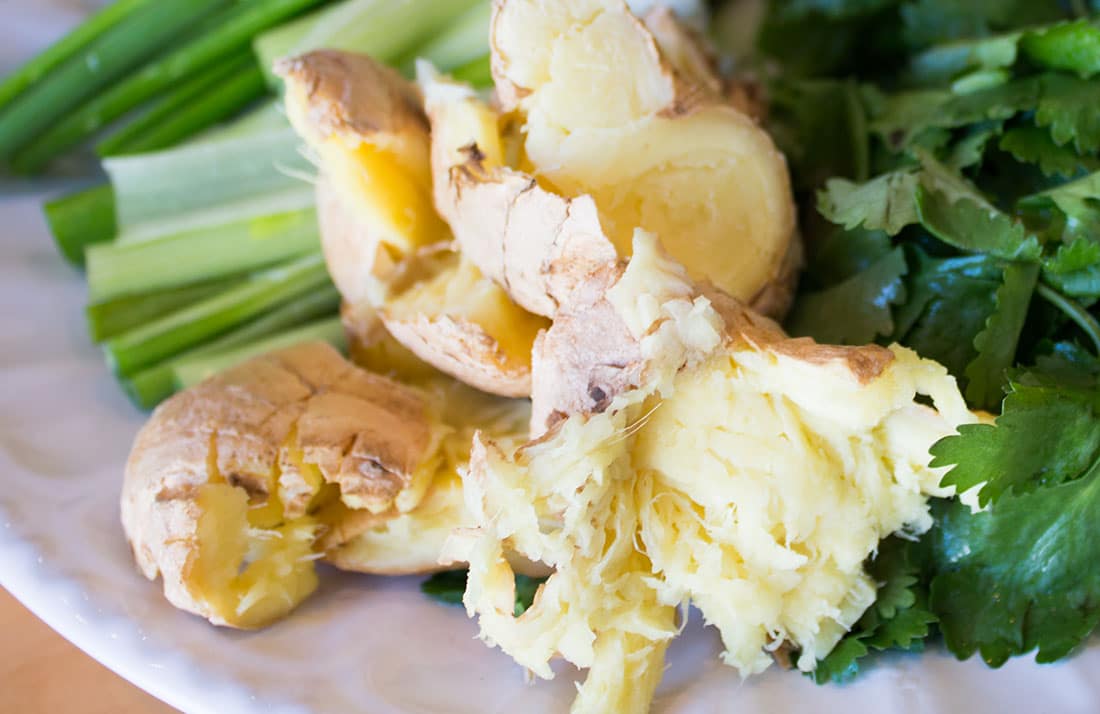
x: 202, y: 321
x: 80, y: 219
x: 226, y: 177
x: 113, y: 317
x: 154, y: 384
x: 465, y: 41
x: 191, y: 372
x: 128, y: 268
x: 205, y: 100
x: 385, y: 29
x: 80, y: 37
x: 227, y: 32
x: 117, y: 50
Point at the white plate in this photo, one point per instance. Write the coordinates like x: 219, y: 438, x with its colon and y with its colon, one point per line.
x: 370, y: 645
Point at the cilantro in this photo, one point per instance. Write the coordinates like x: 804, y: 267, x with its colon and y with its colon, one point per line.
x: 526, y: 589
x: 1073, y: 311
x: 842, y: 664
x: 899, y: 619
x: 864, y: 300
x: 1033, y: 145
x: 1024, y: 451
x: 1023, y: 575
x: 883, y: 203
x: 821, y: 125
x: 970, y: 150
x: 969, y: 223
x: 943, y: 63
x: 446, y: 587
x: 905, y: 115
x: 1075, y: 268
x: 996, y: 343
x: 1067, y: 106
x: 788, y: 10
x: 449, y: 587
x: 838, y: 255
x: 931, y: 21
x: 1078, y: 201
x: 1072, y: 46
x: 949, y: 302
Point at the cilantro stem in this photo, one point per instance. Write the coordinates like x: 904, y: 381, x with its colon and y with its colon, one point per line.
x: 1073, y: 311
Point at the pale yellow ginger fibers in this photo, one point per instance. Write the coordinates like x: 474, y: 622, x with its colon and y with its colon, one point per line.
x: 751, y: 477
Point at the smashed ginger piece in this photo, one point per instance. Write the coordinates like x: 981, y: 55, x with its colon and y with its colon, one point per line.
x: 735, y: 469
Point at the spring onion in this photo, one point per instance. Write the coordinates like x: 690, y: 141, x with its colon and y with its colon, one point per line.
x: 207, y: 319
x: 116, y: 51
x: 197, y: 104
x: 80, y: 219
x: 126, y: 268
x: 230, y: 31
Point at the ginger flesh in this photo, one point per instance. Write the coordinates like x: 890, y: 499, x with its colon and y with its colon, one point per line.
x: 378, y: 224
x: 607, y: 115
x: 750, y: 475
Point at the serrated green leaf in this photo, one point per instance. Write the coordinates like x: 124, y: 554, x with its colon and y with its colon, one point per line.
x: 1033, y: 145
x: 1075, y: 268
x: 906, y: 631
x: 931, y: 21
x: 1067, y: 106
x: 863, y: 299
x: 970, y: 149
x: 949, y: 301
x: 903, y: 116
x: 1070, y: 46
x: 1079, y: 202
x: 842, y: 664
x: 899, y: 619
x: 449, y: 586
x: 821, y: 126
x: 883, y: 203
x: 1023, y: 575
x: 1045, y: 435
x: 968, y: 225
x: 996, y: 344
x: 788, y: 10
x: 942, y: 63
x: 841, y: 254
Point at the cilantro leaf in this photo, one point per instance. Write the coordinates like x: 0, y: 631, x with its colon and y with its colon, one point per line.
x: 883, y: 203
x: 949, y: 302
x: 449, y: 586
x: 899, y: 618
x: 839, y: 254
x: 1070, y: 46
x: 971, y: 224
x: 788, y: 10
x: 942, y: 63
x: 1033, y: 145
x: 929, y: 21
x: 863, y: 301
x: 842, y: 664
x: 526, y: 589
x: 1075, y: 268
x: 1078, y: 201
x: 970, y: 149
x: 996, y: 344
x: 905, y: 115
x: 1067, y: 105
x: 1023, y: 575
x: 821, y: 125
x: 1024, y: 450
